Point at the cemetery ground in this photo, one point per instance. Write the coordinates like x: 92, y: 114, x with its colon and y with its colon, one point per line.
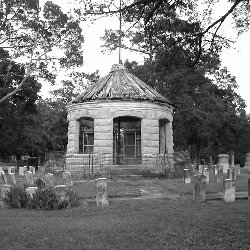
x: 143, y: 214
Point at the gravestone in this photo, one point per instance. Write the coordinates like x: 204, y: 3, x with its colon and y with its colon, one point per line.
x: 50, y: 180
x: 215, y: 169
x: 247, y: 163
x: 25, y: 169
x: 223, y: 161
x: 237, y: 167
x: 21, y: 171
x: 12, y: 179
x: 28, y: 179
x: 201, y: 167
x: 4, y: 177
x: 206, y: 174
x: 199, y: 189
x: 32, y: 169
x: 187, y: 176
x: 11, y: 170
x: 229, y: 173
x: 101, y: 192
x: 67, y: 179
x: 31, y: 191
x: 61, y: 192
x: 248, y: 187
x: 40, y: 183
x: 229, y: 190
x: 3, y: 190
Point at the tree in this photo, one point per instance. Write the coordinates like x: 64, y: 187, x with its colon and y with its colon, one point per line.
x: 188, y: 14
x: 53, y: 113
x: 32, y: 36
x: 19, y: 124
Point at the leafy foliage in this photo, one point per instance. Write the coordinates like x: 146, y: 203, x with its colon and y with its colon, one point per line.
x: 43, y: 199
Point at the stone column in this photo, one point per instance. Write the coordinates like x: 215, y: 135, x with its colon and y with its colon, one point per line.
x: 73, y: 137
x: 169, y: 138
x: 223, y: 161
x: 199, y: 190
x: 187, y: 176
x: 103, y: 136
x: 229, y: 190
x: 3, y: 190
x: 101, y: 192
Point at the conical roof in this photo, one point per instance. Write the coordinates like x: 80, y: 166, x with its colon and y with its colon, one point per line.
x: 120, y: 84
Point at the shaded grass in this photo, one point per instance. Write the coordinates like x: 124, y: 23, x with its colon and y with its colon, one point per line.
x: 149, y: 224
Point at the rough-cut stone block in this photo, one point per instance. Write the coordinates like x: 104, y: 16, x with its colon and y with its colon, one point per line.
x: 61, y: 192
x: 229, y: 190
x: 28, y: 179
x: 101, y: 192
x: 31, y: 191
x: 101, y: 122
x: 12, y: 179
x: 67, y: 179
x: 4, y: 177
x: 103, y: 129
x: 3, y: 191
x: 187, y: 176
x: 50, y: 180
x: 199, y: 190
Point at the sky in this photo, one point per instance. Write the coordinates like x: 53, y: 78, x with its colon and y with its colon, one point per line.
x: 236, y: 59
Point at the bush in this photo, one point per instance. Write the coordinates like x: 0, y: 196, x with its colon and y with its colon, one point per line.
x: 43, y: 199
x: 16, y: 198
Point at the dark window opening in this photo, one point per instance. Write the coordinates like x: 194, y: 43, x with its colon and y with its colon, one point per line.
x: 86, y: 135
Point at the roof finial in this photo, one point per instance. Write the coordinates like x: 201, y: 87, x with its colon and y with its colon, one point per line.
x: 120, y: 32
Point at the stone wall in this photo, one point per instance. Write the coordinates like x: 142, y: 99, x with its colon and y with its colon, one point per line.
x: 104, y: 113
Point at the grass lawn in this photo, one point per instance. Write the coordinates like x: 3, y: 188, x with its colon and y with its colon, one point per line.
x: 132, y: 224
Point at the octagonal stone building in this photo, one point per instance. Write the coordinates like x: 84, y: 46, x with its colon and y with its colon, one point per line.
x: 119, y: 117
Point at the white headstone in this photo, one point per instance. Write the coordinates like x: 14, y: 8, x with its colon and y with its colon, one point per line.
x: 67, y: 179
x: 101, y: 189
x: 229, y: 190
x: 21, y: 171
x: 31, y: 191
x: 3, y: 189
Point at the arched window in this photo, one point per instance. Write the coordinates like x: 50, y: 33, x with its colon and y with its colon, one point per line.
x: 86, y: 135
x: 163, y: 136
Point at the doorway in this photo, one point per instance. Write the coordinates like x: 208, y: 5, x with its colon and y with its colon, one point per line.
x: 127, y: 140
